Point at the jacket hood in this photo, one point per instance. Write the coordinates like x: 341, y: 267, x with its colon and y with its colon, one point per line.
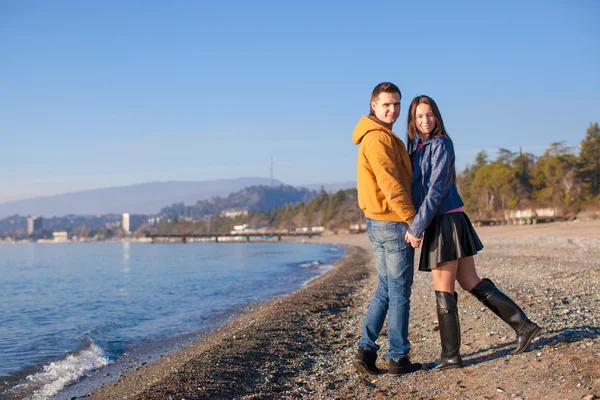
x: 366, y: 125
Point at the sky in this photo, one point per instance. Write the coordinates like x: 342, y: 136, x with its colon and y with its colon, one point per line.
x: 112, y: 93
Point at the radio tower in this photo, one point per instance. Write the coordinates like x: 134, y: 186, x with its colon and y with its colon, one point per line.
x: 272, y: 171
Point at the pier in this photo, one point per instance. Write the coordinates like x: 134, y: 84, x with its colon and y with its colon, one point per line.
x: 227, y: 237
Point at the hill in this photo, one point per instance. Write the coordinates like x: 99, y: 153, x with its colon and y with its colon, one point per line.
x: 333, y: 211
x: 332, y: 187
x: 143, y: 198
x: 252, y: 198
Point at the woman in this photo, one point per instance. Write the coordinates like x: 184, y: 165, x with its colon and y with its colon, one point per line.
x: 449, y: 240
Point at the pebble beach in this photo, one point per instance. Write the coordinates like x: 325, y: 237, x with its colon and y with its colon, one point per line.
x: 302, y: 346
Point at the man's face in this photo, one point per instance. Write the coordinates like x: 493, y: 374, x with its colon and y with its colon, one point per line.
x: 387, y: 107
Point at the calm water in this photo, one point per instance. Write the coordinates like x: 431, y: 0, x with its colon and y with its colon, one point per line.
x: 72, y: 308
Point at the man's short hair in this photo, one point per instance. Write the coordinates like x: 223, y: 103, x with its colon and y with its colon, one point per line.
x: 387, y: 87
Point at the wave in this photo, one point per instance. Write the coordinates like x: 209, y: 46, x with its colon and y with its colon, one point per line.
x: 55, y: 376
x: 309, y: 264
x: 323, y: 268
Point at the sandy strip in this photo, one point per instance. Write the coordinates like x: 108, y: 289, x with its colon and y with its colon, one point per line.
x: 301, y: 346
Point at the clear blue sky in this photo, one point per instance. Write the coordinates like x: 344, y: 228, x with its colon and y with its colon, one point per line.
x: 110, y: 93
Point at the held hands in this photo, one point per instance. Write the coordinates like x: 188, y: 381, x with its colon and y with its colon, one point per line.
x: 413, y: 240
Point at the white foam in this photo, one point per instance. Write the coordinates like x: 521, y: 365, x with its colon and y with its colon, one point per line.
x: 322, y: 270
x: 310, y: 264
x: 58, y: 374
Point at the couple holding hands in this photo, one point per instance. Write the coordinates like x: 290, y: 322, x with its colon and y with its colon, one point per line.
x: 410, y: 199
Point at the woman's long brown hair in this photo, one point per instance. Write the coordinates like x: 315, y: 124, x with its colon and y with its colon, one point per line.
x: 412, y: 132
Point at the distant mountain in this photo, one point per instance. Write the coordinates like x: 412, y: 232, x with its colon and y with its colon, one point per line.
x: 332, y: 187
x: 252, y: 198
x: 143, y: 198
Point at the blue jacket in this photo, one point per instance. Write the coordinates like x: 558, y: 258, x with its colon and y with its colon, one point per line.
x: 433, y: 188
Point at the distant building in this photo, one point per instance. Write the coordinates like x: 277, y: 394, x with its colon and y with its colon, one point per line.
x: 240, y: 229
x: 308, y: 229
x: 232, y: 213
x: 60, y: 236
x: 33, y: 224
x: 531, y: 213
x: 125, y: 222
x: 153, y: 220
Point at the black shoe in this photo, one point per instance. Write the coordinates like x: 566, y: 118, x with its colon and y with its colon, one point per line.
x: 364, y: 362
x: 505, y: 308
x: 402, y: 366
x: 447, y: 311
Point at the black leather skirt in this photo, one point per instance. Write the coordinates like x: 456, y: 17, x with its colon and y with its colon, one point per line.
x: 447, y: 238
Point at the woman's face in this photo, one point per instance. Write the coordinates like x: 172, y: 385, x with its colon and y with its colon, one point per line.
x: 424, y: 119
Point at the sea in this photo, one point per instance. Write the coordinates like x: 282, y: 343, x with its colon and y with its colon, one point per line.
x: 75, y: 315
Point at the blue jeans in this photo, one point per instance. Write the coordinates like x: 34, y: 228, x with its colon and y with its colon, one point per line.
x: 394, y: 259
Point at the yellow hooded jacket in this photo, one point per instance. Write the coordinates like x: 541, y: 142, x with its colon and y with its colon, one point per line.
x: 384, y: 173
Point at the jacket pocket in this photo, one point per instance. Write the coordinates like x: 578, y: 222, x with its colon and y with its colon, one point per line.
x: 377, y: 203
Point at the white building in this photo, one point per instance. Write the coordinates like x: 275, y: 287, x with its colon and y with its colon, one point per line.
x: 125, y: 222
x: 33, y: 224
x: 232, y: 213
x: 240, y: 229
x: 153, y: 220
x: 60, y: 236
x: 308, y: 229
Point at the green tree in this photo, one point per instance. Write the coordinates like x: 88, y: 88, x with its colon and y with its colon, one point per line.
x: 505, y: 156
x: 554, y: 176
x: 481, y: 159
x: 589, y: 162
x: 464, y: 181
x: 495, y: 183
x: 523, y: 167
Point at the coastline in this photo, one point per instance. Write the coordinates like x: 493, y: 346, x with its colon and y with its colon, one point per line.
x: 268, y: 341
x: 301, y: 346
x: 117, y: 341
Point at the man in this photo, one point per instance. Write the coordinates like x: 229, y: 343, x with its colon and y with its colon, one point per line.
x: 384, y: 180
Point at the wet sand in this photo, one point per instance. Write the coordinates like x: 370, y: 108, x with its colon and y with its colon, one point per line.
x: 302, y: 346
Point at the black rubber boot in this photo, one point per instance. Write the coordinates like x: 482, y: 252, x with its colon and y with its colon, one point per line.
x: 364, y: 362
x: 508, y: 311
x: 447, y: 311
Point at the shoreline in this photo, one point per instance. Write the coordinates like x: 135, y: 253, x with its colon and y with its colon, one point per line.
x: 249, y: 341
x: 149, y: 351
x: 302, y: 345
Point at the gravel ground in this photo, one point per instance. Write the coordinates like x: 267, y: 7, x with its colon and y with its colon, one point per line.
x: 302, y: 346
